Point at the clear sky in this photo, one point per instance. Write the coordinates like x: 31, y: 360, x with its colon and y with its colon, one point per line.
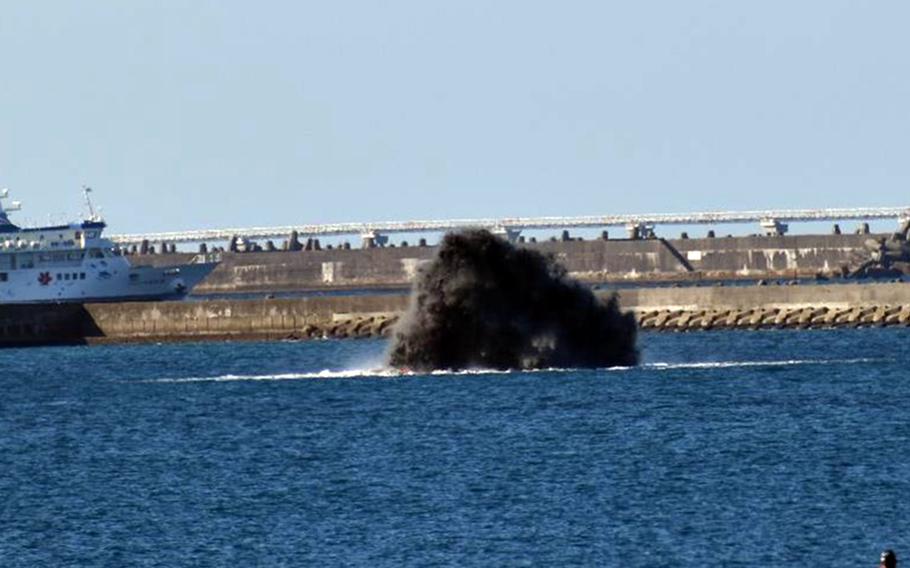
x: 204, y: 114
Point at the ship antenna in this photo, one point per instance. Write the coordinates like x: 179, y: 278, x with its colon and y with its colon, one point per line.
x: 86, y: 190
x: 14, y: 206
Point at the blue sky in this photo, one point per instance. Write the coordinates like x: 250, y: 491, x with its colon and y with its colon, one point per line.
x: 218, y: 113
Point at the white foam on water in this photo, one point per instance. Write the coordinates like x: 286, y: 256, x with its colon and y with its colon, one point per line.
x: 734, y: 364
x: 375, y: 373
x: 388, y: 373
x: 323, y: 374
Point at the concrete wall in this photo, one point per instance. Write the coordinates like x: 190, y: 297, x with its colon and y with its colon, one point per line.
x: 283, y: 318
x: 759, y: 255
x: 750, y: 297
x: 236, y: 318
x: 372, y: 315
x: 359, y: 316
x: 306, y: 270
x: 592, y: 261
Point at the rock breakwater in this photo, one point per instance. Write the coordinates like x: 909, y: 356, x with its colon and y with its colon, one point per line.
x: 774, y: 318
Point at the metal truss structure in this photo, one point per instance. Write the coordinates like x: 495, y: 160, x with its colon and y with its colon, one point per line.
x: 514, y: 225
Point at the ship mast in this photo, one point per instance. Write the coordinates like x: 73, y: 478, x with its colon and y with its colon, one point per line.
x: 14, y: 206
x: 93, y: 216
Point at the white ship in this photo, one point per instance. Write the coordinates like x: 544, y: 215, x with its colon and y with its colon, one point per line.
x: 74, y: 263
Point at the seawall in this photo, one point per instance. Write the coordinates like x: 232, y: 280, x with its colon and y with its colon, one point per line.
x: 264, y: 319
x: 748, y: 297
x: 672, y: 309
x: 766, y: 307
x: 594, y: 261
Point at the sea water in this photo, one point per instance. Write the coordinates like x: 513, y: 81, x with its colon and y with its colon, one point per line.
x: 772, y: 448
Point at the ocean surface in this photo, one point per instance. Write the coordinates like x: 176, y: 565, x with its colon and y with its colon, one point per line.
x: 772, y: 448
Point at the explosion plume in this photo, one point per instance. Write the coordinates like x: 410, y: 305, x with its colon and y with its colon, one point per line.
x: 484, y: 303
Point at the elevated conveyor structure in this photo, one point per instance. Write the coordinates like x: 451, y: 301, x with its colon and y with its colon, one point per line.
x: 514, y: 225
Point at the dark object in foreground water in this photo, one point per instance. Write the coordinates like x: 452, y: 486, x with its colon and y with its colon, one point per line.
x: 483, y: 303
x: 888, y: 559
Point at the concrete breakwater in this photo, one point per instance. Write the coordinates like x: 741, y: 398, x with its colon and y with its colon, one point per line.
x: 773, y: 318
x: 274, y: 319
x: 600, y: 260
x: 759, y: 307
x: 219, y: 320
x: 668, y: 309
x: 833, y: 296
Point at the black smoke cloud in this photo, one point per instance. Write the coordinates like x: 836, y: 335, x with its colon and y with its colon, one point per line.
x: 483, y: 303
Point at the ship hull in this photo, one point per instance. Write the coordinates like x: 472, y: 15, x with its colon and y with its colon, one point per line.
x: 102, y: 281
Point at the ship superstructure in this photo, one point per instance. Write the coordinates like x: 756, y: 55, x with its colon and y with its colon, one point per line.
x: 75, y: 263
